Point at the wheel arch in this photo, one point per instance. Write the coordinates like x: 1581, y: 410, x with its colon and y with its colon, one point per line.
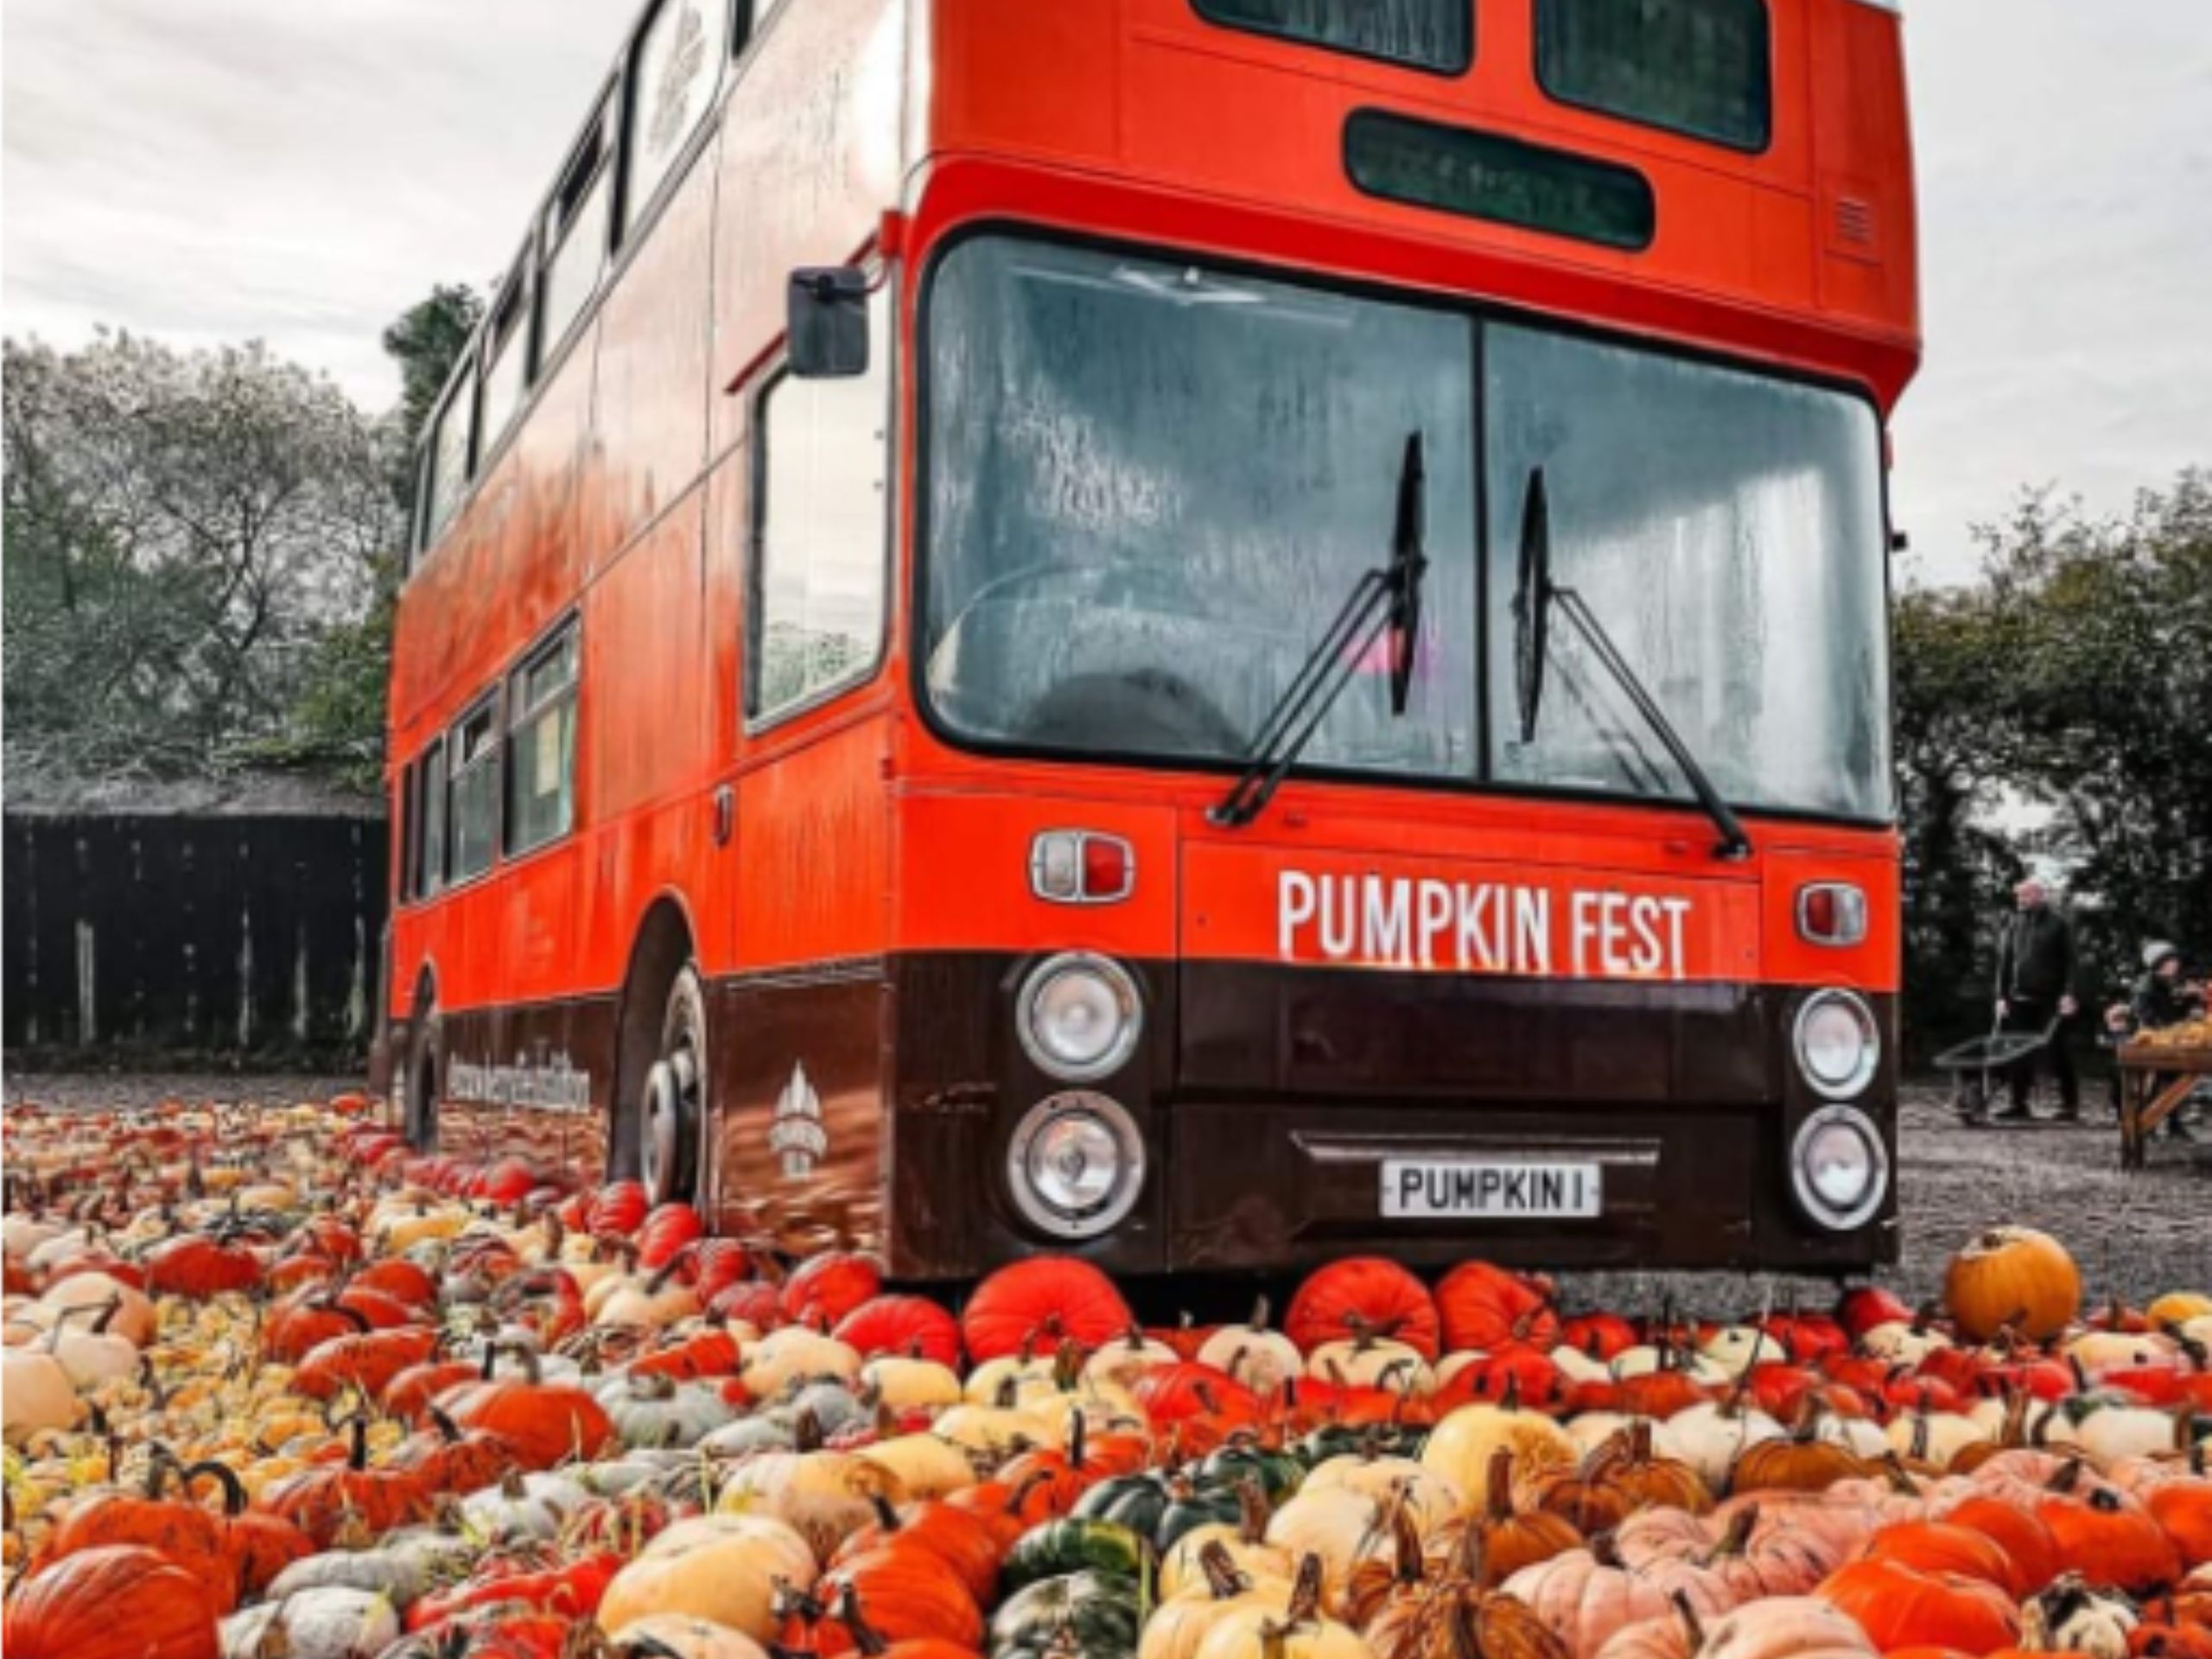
x: 664, y: 942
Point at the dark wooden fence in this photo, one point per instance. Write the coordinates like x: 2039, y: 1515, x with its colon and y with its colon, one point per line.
x: 187, y: 937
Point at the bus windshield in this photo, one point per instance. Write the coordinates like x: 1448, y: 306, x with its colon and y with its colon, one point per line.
x: 1150, y: 486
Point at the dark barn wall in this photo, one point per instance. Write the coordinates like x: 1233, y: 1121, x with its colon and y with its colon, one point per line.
x: 192, y: 937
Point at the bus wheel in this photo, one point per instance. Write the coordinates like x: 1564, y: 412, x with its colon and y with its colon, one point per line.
x: 420, y: 1080
x: 676, y: 1096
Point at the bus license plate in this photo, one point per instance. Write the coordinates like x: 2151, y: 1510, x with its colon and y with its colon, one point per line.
x: 1483, y: 1190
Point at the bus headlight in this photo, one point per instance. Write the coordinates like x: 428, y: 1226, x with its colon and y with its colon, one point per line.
x: 1079, y: 1017
x: 1838, y: 1167
x: 1838, y: 1045
x: 1076, y: 1164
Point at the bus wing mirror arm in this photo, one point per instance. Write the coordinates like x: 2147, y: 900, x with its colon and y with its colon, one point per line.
x: 826, y: 330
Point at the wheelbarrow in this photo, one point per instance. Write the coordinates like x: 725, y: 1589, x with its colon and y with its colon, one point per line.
x: 1970, y: 1064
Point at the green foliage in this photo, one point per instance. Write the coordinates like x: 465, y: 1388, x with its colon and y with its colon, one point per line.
x: 184, y: 531
x: 2071, y: 689
x: 204, y: 552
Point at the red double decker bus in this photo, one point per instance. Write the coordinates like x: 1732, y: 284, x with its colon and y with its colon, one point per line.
x: 1204, y: 632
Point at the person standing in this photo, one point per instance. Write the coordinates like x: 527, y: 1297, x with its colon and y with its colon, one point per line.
x: 2035, y: 994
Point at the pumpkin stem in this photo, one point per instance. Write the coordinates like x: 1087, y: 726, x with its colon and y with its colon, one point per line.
x: 1691, y: 1626
x: 868, y: 1640
x: 1223, y: 1581
x: 1604, y: 1551
x: 1261, y: 1309
x: 234, y: 1493
x: 1251, y: 1511
x: 1499, y: 1486
x: 357, y: 1455
x: 1405, y: 1538
x: 2068, y: 1477
x: 1738, y: 1535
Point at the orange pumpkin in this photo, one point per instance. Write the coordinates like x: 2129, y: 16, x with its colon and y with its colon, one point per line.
x: 1939, y: 1547
x: 2012, y: 1279
x: 1899, y: 1606
x: 119, y: 1601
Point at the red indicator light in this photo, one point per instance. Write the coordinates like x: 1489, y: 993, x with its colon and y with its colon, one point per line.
x: 1832, y: 913
x: 1074, y: 867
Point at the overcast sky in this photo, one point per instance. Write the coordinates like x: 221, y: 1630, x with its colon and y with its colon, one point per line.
x: 301, y: 170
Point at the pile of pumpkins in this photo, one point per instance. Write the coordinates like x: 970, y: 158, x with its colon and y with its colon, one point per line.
x: 276, y: 1387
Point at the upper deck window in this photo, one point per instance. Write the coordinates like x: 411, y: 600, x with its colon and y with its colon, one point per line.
x: 507, y: 358
x: 1458, y: 170
x: 575, y: 237
x: 1699, y: 67
x: 453, y: 451
x: 678, y: 65
x: 1434, y: 35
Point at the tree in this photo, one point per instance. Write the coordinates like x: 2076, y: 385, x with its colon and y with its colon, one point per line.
x: 2060, y: 707
x: 183, y: 530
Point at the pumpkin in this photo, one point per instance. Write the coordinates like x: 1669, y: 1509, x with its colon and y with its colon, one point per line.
x: 681, y: 1635
x: 1504, y: 1540
x: 2183, y: 1509
x: 795, y: 1354
x: 1185, y: 1620
x: 2031, y: 1551
x: 963, y: 1541
x: 197, y: 1266
x: 1461, y: 1447
x: 824, y: 1497
x: 1362, y: 1297
x: 1941, y: 1546
x: 1429, y: 1497
x: 2014, y: 1279
x: 911, y: 1384
x: 1458, y: 1616
x: 1899, y: 1606
x: 1584, y: 1597
x: 923, y: 1465
x: 322, y: 1500
x: 911, y: 1327
x: 89, y: 1352
x: 36, y: 1393
x: 1042, y: 1300
x: 543, y: 1423
x: 122, y: 1601
x: 2110, y: 1540
x: 1252, y: 1355
x: 723, y: 1568
x: 1256, y: 1631
x: 1786, y: 1627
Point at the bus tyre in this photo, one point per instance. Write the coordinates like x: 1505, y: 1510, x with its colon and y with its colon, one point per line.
x: 675, y: 1096
x: 419, y: 1079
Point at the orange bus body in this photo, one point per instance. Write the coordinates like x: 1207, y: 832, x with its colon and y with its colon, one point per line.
x: 852, y: 889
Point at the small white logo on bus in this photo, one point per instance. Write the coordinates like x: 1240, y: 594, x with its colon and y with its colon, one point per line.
x: 796, y: 1135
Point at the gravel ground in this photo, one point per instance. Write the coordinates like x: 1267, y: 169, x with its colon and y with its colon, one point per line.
x: 2135, y: 1235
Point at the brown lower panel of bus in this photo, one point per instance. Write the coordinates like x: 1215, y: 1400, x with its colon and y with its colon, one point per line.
x: 871, y: 1104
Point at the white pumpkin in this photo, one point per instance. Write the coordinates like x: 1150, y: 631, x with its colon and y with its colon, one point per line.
x: 683, y: 1635
x: 912, y: 1384
x: 795, y: 1354
x: 1260, y: 1358
x: 1461, y: 1447
x: 723, y: 1568
x: 35, y: 1393
x: 1372, y: 1363
x: 925, y: 1465
x: 824, y: 1497
x: 328, y: 1623
x: 1123, y: 1359
x: 1711, y: 1435
x: 1432, y: 1498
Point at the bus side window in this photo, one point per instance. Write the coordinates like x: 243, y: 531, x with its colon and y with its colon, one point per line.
x: 431, y: 876
x: 405, y: 814
x: 575, y: 240
x: 542, y: 746
x: 820, y: 531
x: 475, y: 793
x: 506, y: 357
x: 673, y: 80
x: 453, y: 453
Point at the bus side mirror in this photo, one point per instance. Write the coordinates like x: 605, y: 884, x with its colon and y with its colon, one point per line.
x: 827, y: 332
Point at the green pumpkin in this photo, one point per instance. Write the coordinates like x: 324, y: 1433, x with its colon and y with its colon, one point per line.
x: 1193, y: 1506
x: 1342, y: 1440
x: 1087, y: 1615
x: 1136, y: 1502
x: 1280, y: 1474
x: 1059, y: 1548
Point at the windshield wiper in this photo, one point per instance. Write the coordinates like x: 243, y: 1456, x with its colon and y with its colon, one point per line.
x: 1384, y: 600
x: 1532, y: 607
